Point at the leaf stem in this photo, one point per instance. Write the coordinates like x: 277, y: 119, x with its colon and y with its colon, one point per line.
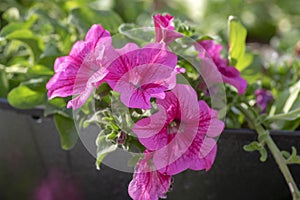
x: 280, y: 160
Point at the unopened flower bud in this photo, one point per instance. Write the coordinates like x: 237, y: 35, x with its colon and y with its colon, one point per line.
x: 121, y: 137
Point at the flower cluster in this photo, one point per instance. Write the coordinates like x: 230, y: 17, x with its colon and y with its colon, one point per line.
x: 181, y: 134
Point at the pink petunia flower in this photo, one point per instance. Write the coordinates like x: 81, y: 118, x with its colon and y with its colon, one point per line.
x: 83, y: 69
x: 229, y: 74
x: 181, y: 132
x: 147, y: 183
x: 263, y: 97
x: 142, y: 73
x: 164, y: 29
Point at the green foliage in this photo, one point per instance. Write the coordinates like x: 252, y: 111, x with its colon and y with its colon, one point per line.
x: 237, y: 43
x: 23, y: 97
x: 257, y: 146
x: 67, y: 131
x: 285, y: 111
x: 291, y: 158
x: 104, y: 146
x: 4, y: 84
x: 83, y: 18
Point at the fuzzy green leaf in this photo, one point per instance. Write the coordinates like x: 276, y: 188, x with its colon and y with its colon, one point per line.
x: 253, y: 146
x: 104, y: 147
x: 263, y: 155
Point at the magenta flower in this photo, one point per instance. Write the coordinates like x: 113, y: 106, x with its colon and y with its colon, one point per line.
x: 147, y: 183
x: 181, y: 132
x: 263, y: 97
x: 142, y: 73
x: 83, y: 69
x: 229, y: 74
x: 164, y: 29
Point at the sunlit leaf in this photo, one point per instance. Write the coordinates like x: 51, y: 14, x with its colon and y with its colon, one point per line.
x: 40, y: 70
x: 292, y: 115
x: 23, y: 97
x: 237, y: 44
x: 294, y: 92
x: 28, y: 38
x: 15, y: 26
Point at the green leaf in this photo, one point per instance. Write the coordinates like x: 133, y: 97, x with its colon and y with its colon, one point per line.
x: 28, y: 38
x: 292, y: 115
x: 67, y: 131
x: 36, y: 84
x: 15, y: 26
x: 294, y: 92
x: 279, y: 102
x: 256, y: 146
x: 263, y: 137
x: 292, y: 158
x: 24, y: 98
x: 237, y: 44
x: 4, y: 84
x: 57, y: 106
x: 83, y: 18
x: 104, y: 147
x: 263, y: 155
x: 285, y: 112
x: 40, y: 70
x: 253, y: 146
x: 285, y: 154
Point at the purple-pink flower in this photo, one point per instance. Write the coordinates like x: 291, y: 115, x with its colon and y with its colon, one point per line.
x: 83, y: 69
x: 181, y: 133
x: 263, y: 97
x: 229, y: 74
x: 140, y: 74
x: 147, y: 182
x: 164, y: 29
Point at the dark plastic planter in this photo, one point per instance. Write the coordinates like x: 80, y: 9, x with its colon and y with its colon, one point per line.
x: 30, y: 154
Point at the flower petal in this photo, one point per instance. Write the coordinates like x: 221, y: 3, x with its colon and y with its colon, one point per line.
x: 164, y: 29
x: 147, y: 183
x: 230, y: 74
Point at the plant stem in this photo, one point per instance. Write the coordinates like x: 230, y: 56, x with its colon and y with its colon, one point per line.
x: 280, y: 160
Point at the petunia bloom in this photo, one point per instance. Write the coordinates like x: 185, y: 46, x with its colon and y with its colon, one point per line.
x: 164, y: 29
x: 181, y: 133
x: 83, y: 69
x: 147, y: 183
x: 263, y: 97
x: 229, y: 74
x: 140, y: 74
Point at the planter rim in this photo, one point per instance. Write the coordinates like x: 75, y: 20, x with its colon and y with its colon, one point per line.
x: 247, y: 131
x: 39, y: 112
x: 35, y: 112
